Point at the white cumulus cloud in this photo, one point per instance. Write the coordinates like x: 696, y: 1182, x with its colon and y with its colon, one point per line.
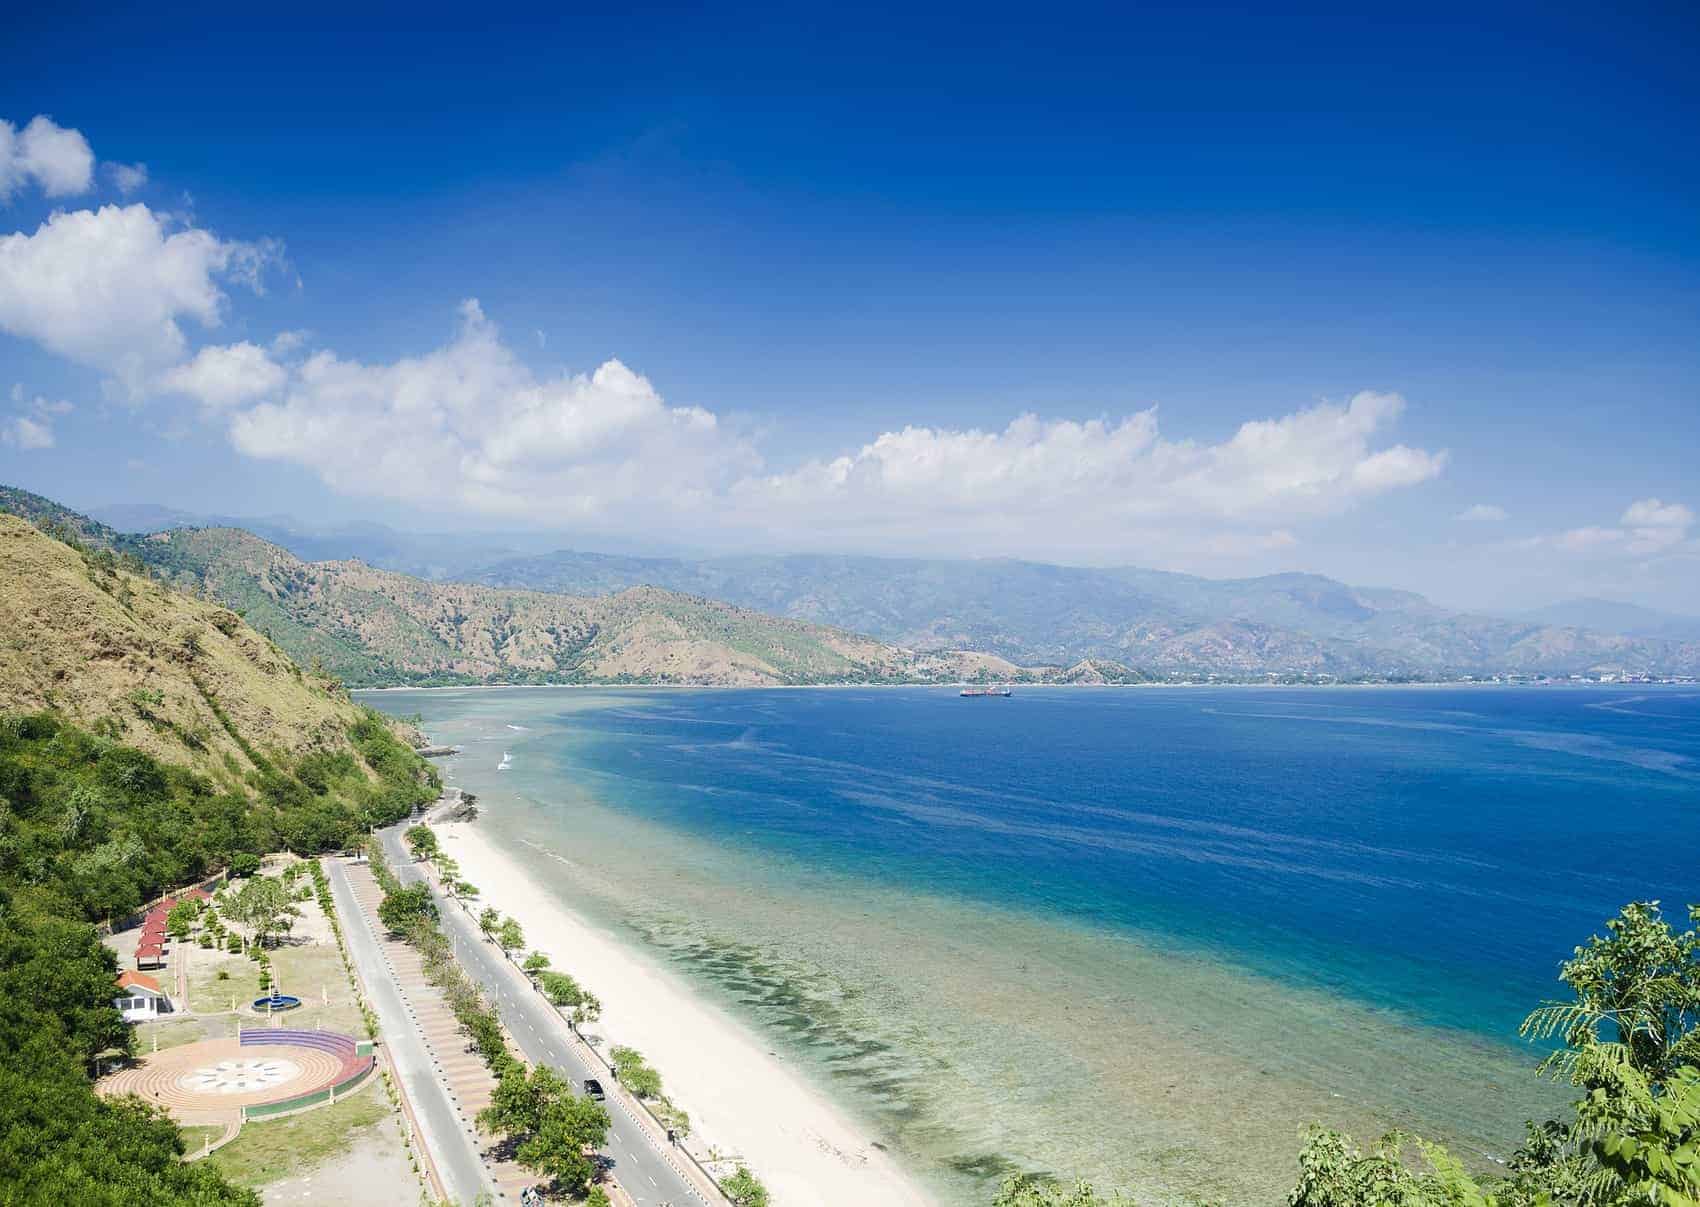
x: 469, y: 425
x: 1096, y: 487
x: 54, y: 157
x: 110, y: 288
x: 222, y: 376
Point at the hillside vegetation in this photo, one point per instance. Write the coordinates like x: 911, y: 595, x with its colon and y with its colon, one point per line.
x: 148, y: 740
x: 89, y: 635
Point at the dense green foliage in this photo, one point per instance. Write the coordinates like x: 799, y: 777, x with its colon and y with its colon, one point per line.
x: 562, y: 990
x: 91, y: 829
x: 1025, y: 1190
x: 88, y: 830
x: 400, y: 910
x: 568, y: 1127
x: 59, y: 1143
x: 421, y: 841
x: 744, y: 1189
x: 548, y: 1126
x: 635, y: 1073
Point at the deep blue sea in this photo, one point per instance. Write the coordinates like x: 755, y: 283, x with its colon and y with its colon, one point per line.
x: 1369, y: 866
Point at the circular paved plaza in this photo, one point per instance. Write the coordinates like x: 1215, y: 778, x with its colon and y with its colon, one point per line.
x: 212, y: 1080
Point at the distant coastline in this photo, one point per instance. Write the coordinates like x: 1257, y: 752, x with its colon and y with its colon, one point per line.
x: 1020, y: 686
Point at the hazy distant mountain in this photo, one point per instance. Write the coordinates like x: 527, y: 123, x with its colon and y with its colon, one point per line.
x: 586, y: 617
x: 1155, y: 621
x: 1611, y: 616
x: 373, y: 627
x: 436, y: 556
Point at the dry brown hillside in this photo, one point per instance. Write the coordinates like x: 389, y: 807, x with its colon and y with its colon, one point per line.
x: 373, y: 627
x: 147, y: 665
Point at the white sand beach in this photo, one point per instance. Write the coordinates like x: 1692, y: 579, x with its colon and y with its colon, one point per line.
x: 741, y: 1097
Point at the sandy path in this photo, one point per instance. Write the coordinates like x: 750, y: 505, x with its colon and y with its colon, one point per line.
x: 740, y: 1098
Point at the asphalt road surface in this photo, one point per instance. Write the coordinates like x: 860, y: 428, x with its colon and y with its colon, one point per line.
x: 643, y: 1166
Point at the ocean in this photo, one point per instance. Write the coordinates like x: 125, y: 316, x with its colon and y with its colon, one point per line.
x: 1144, y: 936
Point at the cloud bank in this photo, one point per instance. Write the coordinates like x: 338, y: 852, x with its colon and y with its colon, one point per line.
x: 470, y: 427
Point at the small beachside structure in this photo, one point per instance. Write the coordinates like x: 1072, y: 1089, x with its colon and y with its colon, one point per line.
x: 140, y: 998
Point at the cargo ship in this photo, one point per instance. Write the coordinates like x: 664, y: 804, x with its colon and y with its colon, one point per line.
x: 985, y: 691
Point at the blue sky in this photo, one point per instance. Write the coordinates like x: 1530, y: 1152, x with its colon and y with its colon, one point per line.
x: 1444, y: 266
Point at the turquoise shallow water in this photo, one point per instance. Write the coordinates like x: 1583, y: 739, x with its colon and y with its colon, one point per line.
x: 1142, y: 934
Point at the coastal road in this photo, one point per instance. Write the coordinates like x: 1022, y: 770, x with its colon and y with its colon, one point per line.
x: 645, y: 1168
x: 454, y: 1152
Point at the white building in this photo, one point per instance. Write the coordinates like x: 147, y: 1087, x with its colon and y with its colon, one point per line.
x: 140, y: 998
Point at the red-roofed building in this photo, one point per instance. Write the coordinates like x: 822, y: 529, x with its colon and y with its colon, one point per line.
x: 150, y: 953
x: 140, y: 998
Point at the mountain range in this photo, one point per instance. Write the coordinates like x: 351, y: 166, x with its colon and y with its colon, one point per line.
x: 591, y: 617
x: 372, y: 627
x: 1158, y: 622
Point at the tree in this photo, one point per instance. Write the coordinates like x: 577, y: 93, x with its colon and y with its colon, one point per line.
x: 557, y: 1149
x: 263, y: 905
x: 520, y: 1100
x: 635, y: 1073
x: 421, y: 841
x: 536, y: 962
x: 467, y: 889
x: 1637, y: 1000
x: 56, y: 985
x: 1645, y: 1140
x: 744, y: 1188
x: 510, y: 937
x: 399, y: 909
x: 489, y: 920
x: 244, y: 863
x: 181, y: 920
x: 562, y: 990
x: 1333, y: 1173
x: 1025, y: 1190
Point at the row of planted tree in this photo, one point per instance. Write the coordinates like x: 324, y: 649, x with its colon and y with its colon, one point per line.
x: 566, y: 994
x: 544, y: 1126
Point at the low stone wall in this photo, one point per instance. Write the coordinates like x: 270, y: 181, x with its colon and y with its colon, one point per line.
x: 301, y: 1102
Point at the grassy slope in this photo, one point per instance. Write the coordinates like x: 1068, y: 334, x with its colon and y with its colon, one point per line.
x: 147, y: 665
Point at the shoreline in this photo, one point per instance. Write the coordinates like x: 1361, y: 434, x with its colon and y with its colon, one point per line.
x: 1552, y: 684
x: 738, y: 1092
